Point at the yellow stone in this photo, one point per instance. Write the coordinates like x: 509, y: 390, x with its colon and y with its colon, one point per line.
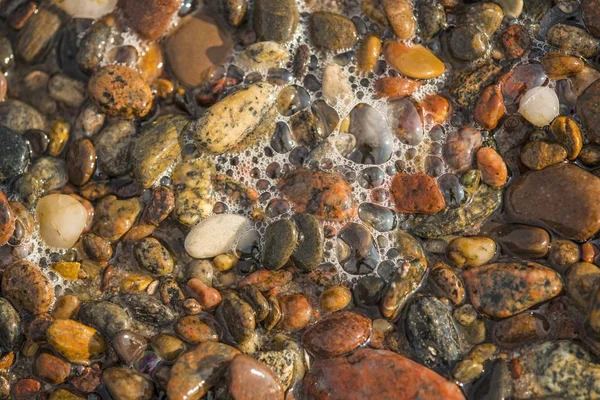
x: 76, y: 342
x: 59, y: 135
x: 62, y: 394
x: 68, y: 270
x: 135, y: 283
x: 415, y: 61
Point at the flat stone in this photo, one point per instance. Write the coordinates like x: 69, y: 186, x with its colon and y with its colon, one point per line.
x: 19, y: 116
x: 248, y: 379
x: 11, y: 330
x: 416, y: 193
x: 150, y: 18
x: 113, y: 147
x: 197, y: 47
x: 14, y: 154
x: 27, y: 287
x: 76, y: 342
x: 261, y: 56
x: 107, y: 317
x: 375, y: 374
x: 127, y: 384
x: 34, y: 40
x: 569, y: 207
x: 276, y: 20
x: 337, y: 334
x: 331, y: 31
x: 216, y: 235
x: 504, y: 289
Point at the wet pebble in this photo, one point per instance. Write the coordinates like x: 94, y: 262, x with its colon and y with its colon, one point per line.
x: 489, y: 108
x: 113, y: 217
x: 467, y: 84
x: 560, y: 66
x: 27, y: 287
x: 521, y: 329
x: 567, y: 133
x: 468, y: 252
x: 105, y: 316
x: 249, y: 379
x: 332, y: 31
x: 19, y: 116
x: 127, y: 384
x: 493, y: 168
x: 296, y: 311
x: 405, y: 122
x: 153, y: 256
x: 432, y: 18
x: 51, y: 369
x: 14, y: 154
x: 515, y: 41
x: 150, y: 18
x: 194, y: 331
x: 113, y: 147
x: 81, y: 161
x: 276, y: 19
x: 167, y: 347
x: 572, y: 39
x: 76, y: 342
x: 448, y: 283
x: 539, y: 154
x: 461, y: 146
x: 337, y: 334
x: 401, y: 17
x: 335, y: 84
x: 416, y: 193
x: 261, y: 56
x: 203, y: 242
x: 522, y: 240
x: 34, y: 40
x: 415, y: 61
x: 11, y: 330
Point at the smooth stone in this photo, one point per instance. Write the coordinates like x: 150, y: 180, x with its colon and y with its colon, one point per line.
x: 448, y: 283
x: 156, y: 148
x: 489, y: 108
x: 473, y: 251
x: 323, y: 194
x: 81, y: 161
x: 467, y: 84
x: 276, y: 20
x: 335, y: 85
x: 370, y: 373
x: 493, y: 168
x: 372, y: 136
x: 89, y: 50
x: 261, y: 56
x: 309, y: 249
x: 522, y: 240
x: 331, y: 31
x: 129, y: 346
x: 146, y: 309
x: 239, y: 318
x: 567, y: 133
x: 86, y: 8
x: 113, y: 217
x: 27, y: 287
x: 559, y: 369
x: 461, y: 146
x: 524, y: 328
x: 570, y: 208
x: 296, y: 311
x: 62, y: 219
x: 539, y: 154
x: 378, y: 217
x: 572, y: 39
x: 281, y: 238
x: 588, y: 107
x: 401, y: 17
x: 160, y: 206
x: 539, y: 105
x: 49, y: 172
x: 234, y: 11
x: 89, y: 121
x: 11, y: 331
x: 395, y: 87
x: 120, y: 91
x: 254, y: 110
x: 167, y: 347
x: 127, y: 384
x: 432, y: 18
x: 34, y: 40
x: 431, y: 333
x: 249, y: 379
x: 216, y: 235
x: 19, y: 116
x: 417, y: 193
x: 368, y: 53
x: 113, y: 147
x: 515, y: 41
x: 76, y: 342
x: 194, y: 331
x: 14, y: 154
x: 292, y: 99
x: 194, y: 195
x: 196, y: 371
x: 405, y: 121
x: 591, y: 16
x: 192, y: 60
x: 581, y: 283
x: 511, y: 8
x: 153, y: 256
x: 563, y: 253
x: 415, y: 61
x: 51, y: 369
x: 150, y: 18
x: 561, y: 66
x: 337, y: 334
x: 504, y: 289
x: 468, y: 43
x: 107, y: 317
x: 67, y: 91
x: 485, y: 16
x: 335, y: 298
x: 369, y: 290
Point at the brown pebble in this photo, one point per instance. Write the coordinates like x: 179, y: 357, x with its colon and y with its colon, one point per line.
x: 489, y: 108
x: 493, y: 168
x: 27, y: 288
x: 368, y: 53
x: 588, y: 252
x: 335, y: 298
x: 21, y: 14
x: 81, y: 161
x: 416, y: 193
x: 97, y: 248
x: 560, y: 66
x: 150, y: 18
x: 567, y: 133
x: 515, y: 40
x: 194, y: 331
x: 160, y: 205
x: 7, y: 220
x: 66, y: 307
x: 208, y: 297
x: 296, y: 311
x: 395, y: 87
x: 25, y: 389
x: 51, y: 369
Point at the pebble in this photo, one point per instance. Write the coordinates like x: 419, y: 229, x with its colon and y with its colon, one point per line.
x: 467, y: 84
x: 97, y: 248
x: 380, y: 218
x: 335, y: 84
x: 51, y: 369
x: 34, y: 40
x: 7, y: 220
x: 460, y: 147
x: 569, y: 208
x: 208, y: 297
x: 405, y: 121
x: 587, y: 106
x: 27, y: 287
x: 522, y: 240
x: 76, y: 342
x: 120, y: 91
x: 84, y: 9
x: 581, y: 283
x: 67, y: 91
x: 146, y: 309
x: 153, y: 256
x: 254, y: 110
x: 539, y: 154
x: 115, y: 217
x: 371, y: 135
x: 11, y: 330
x: 19, y: 116
x: 194, y: 331
x: 395, y: 87
x: 276, y: 20
x: 150, y: 18
x: 369, y: 373
x: 469, y: 252
x: 324, y: 194
x: 561, y: 66
x: 261, y: 56
x: 589, y: 156
x: 432, y: 19
x: 400, y: 14
x: 25, y: 389
x: 167, y: 347
x: 467, y: 43
x: 203, y: 241
x: 504, y: 289
x: 281, y: 238
x: 296, y: 311
x: 563, y: 253
x: 197, y: 370
x: 485, y: 15
x: 159, y: 207
x: 539, y: 105
x: 127, y: 384
x: 493, y: 168
x: 14, y: 155
x: 448, y: 284
x: 81, y: 161
x: 193, y: 61
x: 335, y: 298
x: 567, y: 133
x: 107, y: 317
x: 249, y: 379
x: 416, y: 193
x: 489, y: 109
x: 113, y: 147
x: 368, y: 53
x: 511, y: 8
x: 309, y: 249
x: 337, y: 334
x: 331, y: 31
x: 193, y: 183
x: 415, y: 61
x: 521, y: 329
x: 515, y: 41
x: 157, y: 148
x: 66, y: 307
x: 572, y: 39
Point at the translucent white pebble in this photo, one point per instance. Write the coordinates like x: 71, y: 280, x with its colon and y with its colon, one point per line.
x: 216, y: 235
x: 61, y: 219
x: 335, y: 84
x: 87, y: 8
x: 539, y: 105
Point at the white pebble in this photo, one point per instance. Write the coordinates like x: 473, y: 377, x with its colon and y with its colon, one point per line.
x: 216, y: 235
x: 539, y: 105
x: 62, y: 220
x: 93, y: 9
x: 335, y: 84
